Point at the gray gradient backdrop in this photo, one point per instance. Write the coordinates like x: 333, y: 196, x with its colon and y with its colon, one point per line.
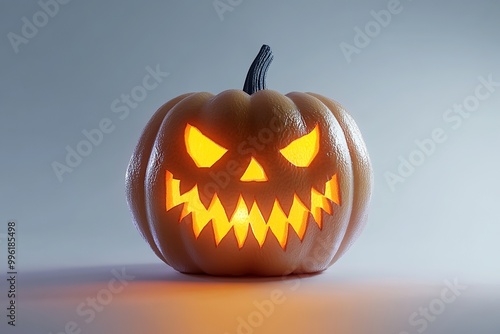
x: 442, y: 222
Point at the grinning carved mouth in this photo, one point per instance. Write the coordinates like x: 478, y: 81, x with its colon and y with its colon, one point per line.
x: 242, y: 218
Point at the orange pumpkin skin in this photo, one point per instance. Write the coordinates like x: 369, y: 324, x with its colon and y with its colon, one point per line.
x: 175, y: 200
x: 232, y: 117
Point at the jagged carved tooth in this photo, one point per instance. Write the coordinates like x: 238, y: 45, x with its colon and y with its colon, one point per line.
x: 317, y: 215
x: 248, y: 198
x: 305, y: 198
x: 327, y: 205
x: 241, y: 233
x: 220, y: 223
x: 205, y: 199
x: 173, y: 197
x: 321, y: 185
x: 221, y: 229
x: 331, y: 206
x: 232, y: 205
x: 286, y: 203
x: 298, y: 217
x: 185, y: 186
x: 201, y: 216
x: 316, y: 206
x: 278, y: 223
x: 265, y: 206
x: 332, y: 190
x: 258, y: 224
x: 192, y: 201
x: 184, y: 213
x: 200, y: 219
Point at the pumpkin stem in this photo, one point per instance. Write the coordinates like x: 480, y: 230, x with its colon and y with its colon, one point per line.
x: 256, y: 76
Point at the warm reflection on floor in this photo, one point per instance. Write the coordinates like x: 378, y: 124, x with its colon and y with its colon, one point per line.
x: 155, y: 299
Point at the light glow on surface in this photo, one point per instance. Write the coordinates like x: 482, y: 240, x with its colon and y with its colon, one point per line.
x: 203, y: 150
x: 302, y: 151
x: 242, y: 219
x: 254, y: 172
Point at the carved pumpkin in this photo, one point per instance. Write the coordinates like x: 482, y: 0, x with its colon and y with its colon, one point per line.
x: 250, y: 181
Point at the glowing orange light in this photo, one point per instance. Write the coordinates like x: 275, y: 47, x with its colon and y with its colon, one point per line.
x: 203, y: 150
x: 242, y: 220
x: 254, y: 172
x: 302, y: 151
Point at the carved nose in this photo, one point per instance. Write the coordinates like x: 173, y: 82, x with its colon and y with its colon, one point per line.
x: 254, y: 172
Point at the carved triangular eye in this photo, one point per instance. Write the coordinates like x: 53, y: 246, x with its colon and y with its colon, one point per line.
x: 302, y: 151
x: 203, y: 150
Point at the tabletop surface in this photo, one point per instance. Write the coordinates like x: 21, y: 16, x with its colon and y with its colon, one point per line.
x: 155, y: 299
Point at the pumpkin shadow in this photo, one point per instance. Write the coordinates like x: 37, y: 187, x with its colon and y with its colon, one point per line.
x: 245, y: 278
x: 153, y: 273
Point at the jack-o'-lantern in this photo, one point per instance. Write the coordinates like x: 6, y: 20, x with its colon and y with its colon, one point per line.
x: 250, y: 181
